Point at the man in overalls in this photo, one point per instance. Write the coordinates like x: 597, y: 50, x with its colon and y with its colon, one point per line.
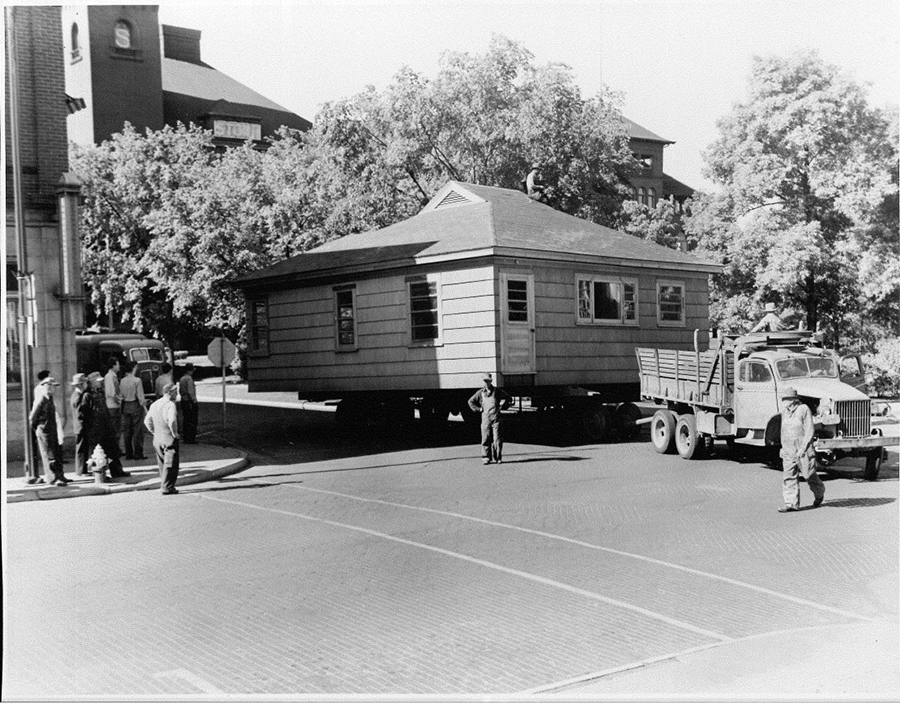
x: 489, y: 401
x: 798, y: 455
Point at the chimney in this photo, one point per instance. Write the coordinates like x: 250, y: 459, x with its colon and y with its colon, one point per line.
x: 181, y: 44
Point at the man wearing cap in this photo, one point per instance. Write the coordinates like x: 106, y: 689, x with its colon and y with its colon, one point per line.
x: 489, y: 401
x: 79, y: 407
x: 42, y: 421
x: 533, y: 184
x: 798, y: 456
x: 771, y: 322
x: 162, y: 422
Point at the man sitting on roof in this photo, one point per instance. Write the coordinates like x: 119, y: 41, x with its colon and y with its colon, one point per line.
x: 770, y: 323
x: 534, y: 184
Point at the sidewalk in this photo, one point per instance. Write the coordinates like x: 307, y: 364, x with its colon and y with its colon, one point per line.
x: 199, y: 463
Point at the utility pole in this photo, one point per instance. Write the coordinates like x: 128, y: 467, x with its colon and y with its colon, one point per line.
x: 22, y: 276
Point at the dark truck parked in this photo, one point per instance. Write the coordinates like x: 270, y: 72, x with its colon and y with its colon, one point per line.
x: 94, y: 349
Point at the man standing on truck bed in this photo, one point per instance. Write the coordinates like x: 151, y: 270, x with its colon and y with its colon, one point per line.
x: 771, y: 322
x: 489, y: 401
x: 798, y: 455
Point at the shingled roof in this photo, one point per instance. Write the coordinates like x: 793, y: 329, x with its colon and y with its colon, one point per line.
x: 464, y: 220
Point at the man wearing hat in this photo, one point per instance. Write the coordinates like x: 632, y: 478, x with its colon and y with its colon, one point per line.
x: 100, y: 427
x: 489, y: 401
x: 162, y: 422
x: 771, y: 322
x: 534, y: 186
x: 42, y: 421
x: 79, y: 407
x: 798, y: 456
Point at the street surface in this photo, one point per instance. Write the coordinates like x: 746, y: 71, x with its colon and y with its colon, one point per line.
x: 398, y: 564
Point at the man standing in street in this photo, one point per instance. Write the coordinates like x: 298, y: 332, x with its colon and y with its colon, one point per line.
x: 162, y: 421
x: 489, y: 401
x: 187, y: 392
x: 42, y: 421
x: 113, y: 395
x: 102, y: 430
x: 77, y: 401
x: 133, y: 407
x: 798, y: 455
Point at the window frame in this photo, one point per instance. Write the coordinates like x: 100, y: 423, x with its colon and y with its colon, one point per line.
x: 668, y: 282
x: 623, y: 281
x: 431, y: 278
x: 254, y: 348
x: 337, y: 291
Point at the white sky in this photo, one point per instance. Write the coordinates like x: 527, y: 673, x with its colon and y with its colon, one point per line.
x: 680, y: 65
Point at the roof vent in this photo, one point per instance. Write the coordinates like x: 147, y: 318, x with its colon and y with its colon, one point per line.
x: 452, y: 198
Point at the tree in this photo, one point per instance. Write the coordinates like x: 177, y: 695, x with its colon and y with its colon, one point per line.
x: 804, y: 166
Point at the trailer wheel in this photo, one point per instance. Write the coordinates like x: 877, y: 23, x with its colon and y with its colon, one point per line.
x: 687, y: 441
x: 627, y: 415
x: 596, y: 423
x: 662, y: 431
x: 873, y: 464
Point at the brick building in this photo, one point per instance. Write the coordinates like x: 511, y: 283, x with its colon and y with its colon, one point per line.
x: 122, y: 65
x: 652, y: 183
x: 41, y: 213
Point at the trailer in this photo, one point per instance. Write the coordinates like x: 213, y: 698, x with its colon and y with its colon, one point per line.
x: 407, y: 318
x: 731, y: 392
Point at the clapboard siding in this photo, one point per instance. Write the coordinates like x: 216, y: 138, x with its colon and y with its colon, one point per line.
x: 302, y: 337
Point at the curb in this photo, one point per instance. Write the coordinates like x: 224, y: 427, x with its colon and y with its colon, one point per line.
x: 94, y: 489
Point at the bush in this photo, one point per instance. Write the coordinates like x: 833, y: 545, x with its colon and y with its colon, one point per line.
x: 883, y: 368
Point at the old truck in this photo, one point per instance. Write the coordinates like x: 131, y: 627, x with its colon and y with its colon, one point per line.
x: 483, y: 279
x: 731, y: 392
x: 94, y: 349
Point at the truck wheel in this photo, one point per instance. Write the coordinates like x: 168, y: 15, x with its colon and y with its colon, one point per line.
x: 688, y: 443
x: 873, y: 464
x: 596, y: 423
x: 627, y: 415
x: 662, y: 431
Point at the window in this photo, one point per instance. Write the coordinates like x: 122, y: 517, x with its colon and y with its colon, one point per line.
x: 632, y: 192
x: 606, y: 300
x: 122, y: 35
x: 76, y: 46
x: 651, y: 197
x: 516, y: 300
x: 345, y: 318
x: 259, y: 327
x: 670, y: 303
x: 755, y: 372
x: 423, y: 310
x: 642, y: 196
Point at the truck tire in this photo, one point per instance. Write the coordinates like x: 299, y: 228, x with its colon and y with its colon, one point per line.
x: 627, y: 415
x: 688, y: 442
x: 662, y: 431
x: 873, y: 464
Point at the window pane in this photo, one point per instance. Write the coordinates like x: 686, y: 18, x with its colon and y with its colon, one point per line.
x: 346, y: 318
x: 670, y: 303
x: 423, y: 310
x: 607, y: 301
x: 517, y: 301
x: 584, y: 300
x: 123, y: 35
x: 629, y: 305
x: 13, y: 370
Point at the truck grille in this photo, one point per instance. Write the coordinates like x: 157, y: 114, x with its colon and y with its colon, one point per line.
x: 855, y: 417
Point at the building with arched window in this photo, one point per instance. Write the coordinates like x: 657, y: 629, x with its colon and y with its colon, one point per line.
x: 123, y: 66
x: 651, y: 183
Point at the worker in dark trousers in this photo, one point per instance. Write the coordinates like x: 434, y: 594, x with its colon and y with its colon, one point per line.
x: 489, y: 401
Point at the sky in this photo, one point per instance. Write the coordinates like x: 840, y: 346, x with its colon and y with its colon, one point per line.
x: 681, y: 66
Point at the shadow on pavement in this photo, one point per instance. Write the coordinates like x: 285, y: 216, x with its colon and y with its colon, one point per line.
x: 857, y: 502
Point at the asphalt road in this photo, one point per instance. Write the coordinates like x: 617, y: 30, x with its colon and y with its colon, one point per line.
x: 398, y: 564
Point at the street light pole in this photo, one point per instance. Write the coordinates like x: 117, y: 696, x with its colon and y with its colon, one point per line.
x: 22, y: 276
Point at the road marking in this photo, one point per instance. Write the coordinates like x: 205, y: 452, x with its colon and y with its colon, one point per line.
x: 589, y: 545
x: 191, y: 678
x: 491, y: 565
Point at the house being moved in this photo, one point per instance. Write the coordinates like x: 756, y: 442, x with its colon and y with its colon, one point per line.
x: 483, y: 279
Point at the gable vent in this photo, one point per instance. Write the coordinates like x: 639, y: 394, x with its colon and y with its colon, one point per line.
x: 452, y: 198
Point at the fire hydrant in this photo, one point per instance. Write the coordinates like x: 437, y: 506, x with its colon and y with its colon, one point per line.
x: 97, y: 464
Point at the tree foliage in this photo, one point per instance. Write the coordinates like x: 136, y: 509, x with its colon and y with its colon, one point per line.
x: 806, y: 211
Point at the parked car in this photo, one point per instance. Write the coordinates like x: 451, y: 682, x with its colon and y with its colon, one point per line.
x: 94, y: 350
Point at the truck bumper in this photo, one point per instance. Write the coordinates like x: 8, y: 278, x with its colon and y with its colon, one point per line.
x: 862, y: 443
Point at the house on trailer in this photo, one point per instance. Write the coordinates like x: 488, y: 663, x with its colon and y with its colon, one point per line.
x: 483, y: 279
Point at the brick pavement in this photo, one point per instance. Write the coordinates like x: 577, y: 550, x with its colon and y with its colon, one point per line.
x: 422, y: 572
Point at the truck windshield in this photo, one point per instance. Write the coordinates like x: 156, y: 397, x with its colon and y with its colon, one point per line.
x: 807, y: 367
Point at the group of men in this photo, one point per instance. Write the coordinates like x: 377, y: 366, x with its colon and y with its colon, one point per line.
x: 107, y: 410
